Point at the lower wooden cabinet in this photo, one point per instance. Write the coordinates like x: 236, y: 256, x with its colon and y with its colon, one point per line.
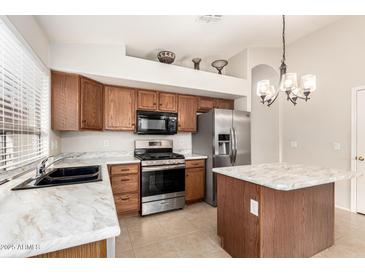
x: 125, y: 185
x: 194, y: 181
x: 90, y: 250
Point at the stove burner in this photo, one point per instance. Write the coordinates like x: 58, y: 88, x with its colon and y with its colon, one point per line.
x: 160, y: 156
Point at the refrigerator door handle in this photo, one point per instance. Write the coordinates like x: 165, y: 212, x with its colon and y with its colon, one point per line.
x: 235, y: 146
x: 231, y: 145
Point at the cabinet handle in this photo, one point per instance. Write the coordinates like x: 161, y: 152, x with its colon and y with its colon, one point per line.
x: 124, y: 169
x: 125, y: 199
x: 83, y: 121
x: 124, y: 180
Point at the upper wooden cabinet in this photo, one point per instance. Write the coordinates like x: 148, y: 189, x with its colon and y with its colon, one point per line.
x: 65, y: 102
x: 187, y: 108
x: 205, y: 104
x: 119, y: 108
x: 224, y: 103
x: 167, y: 102
x: 91, y: 95
x: 147, y: 100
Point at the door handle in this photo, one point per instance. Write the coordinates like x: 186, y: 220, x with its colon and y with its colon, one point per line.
x: 235, y: 146
x: 231, y: 145
x: 360, y: 158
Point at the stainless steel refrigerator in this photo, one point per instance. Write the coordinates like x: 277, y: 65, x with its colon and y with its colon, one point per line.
x: 225, y: 137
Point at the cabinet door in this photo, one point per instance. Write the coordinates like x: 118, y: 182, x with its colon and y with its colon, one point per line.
x: 167, y: 102
x: 187, y: 108
x: 119, y: 108
x: 91, y: 104
x: 224, y: 103
x: 65, y: 88
x: 194, y: 184
x: 147, y: 100
x: 205, y: 104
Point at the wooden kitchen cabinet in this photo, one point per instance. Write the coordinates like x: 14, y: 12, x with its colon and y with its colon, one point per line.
x: 167, y: 102
x: 125, y: 186
x: 119, y: 108
x: 205, y: 104
x: 91, y: 113
x: 194, y: 181
x: 187, y: 108
x: 224, y: 103
x: 147, y: 100
x: 65, y: 101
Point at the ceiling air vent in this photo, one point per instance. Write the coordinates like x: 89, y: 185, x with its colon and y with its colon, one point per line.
x: 210, y: 18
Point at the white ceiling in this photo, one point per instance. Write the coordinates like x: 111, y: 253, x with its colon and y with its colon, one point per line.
x: 188, y: 37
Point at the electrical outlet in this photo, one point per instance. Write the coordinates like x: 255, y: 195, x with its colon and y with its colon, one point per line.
x: 293, y: 144
x: 336, y: 146
x: 106, y: 143
x: 254, y: 207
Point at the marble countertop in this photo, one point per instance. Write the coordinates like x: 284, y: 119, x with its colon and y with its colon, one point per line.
x: 192, y: 156
x: 285, y: 176
x: 42, y: 220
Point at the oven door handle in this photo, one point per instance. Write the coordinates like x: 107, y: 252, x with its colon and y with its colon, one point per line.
x: 158, y: 168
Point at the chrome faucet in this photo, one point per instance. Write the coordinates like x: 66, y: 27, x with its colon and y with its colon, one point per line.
x: 41, y: 167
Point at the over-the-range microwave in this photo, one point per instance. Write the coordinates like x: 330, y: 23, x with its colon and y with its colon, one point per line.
x: 151, y: 122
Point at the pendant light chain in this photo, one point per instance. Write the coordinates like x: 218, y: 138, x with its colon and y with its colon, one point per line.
x: 283, y: 60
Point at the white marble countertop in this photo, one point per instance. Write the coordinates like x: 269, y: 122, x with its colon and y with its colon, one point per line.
x: 285, y: 176
x: 42, y: 220
x: 192, y: 156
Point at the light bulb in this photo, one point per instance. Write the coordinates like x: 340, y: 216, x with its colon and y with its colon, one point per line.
x: 309, y: 82
x: 290, y: 81
x: 263, y: 88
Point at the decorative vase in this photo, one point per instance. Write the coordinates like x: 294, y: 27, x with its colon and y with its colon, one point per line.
x: 219, y: 65
x: 196, y: 62
x: 165, y: 56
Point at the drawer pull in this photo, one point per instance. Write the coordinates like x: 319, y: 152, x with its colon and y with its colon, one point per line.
x: 125, y: 169
x: 124, y: 180
x: 125, y: 199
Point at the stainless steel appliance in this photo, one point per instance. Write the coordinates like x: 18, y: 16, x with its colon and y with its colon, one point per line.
x: 163, y: 176
x: 152, y: 122
x: 224, y: 136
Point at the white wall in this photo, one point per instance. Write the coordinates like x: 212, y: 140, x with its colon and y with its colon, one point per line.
x: 91, y: 141
x: 264, y: 120
x: 109, y: 64
x: 336, y: 55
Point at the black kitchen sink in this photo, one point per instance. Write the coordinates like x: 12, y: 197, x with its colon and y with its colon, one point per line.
x: 74, y: 171
x: 63, y: 176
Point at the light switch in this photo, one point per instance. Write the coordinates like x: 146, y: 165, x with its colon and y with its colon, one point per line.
x: 293, y: 144
x: 254, y: 207
x: 336, y: 146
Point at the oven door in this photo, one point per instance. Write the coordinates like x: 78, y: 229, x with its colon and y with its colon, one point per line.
x: 156, y: 123
x: 162, y: 182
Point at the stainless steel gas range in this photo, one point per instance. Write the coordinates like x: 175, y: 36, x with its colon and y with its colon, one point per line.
x: 163, y: 176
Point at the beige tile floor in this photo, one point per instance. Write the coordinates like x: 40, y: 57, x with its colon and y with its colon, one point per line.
x: 191, y: 233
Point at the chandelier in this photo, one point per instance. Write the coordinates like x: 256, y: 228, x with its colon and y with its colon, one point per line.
x: 288, y: 83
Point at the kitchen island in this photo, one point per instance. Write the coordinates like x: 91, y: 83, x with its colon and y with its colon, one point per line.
x: 276, y: 210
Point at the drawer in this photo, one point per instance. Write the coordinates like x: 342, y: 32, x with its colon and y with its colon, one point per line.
x: 125, y: 183
x: 194, y: 163
x: 124, y: 169
x: 127, y: 202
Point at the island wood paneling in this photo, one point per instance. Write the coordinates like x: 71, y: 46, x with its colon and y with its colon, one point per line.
x: 296, y: 223
x: 90, y: 250
x: 237, y: 227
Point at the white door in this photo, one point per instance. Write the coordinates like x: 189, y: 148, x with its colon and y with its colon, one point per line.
x: 360, y: 150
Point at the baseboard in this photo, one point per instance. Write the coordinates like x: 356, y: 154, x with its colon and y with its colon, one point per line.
x: 343, y: 208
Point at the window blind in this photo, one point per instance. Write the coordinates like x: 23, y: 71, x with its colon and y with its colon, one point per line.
x: 24, y: 103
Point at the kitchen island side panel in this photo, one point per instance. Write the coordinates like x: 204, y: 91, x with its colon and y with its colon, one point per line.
x: 237, y: 227
x: 297, y: 223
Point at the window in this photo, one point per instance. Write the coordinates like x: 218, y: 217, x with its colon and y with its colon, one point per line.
x: 24, y: 103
